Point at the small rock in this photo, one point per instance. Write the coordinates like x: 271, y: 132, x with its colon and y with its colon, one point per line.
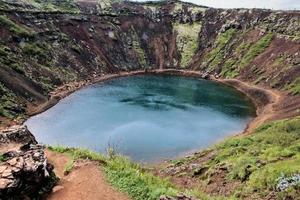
x: 57, y: 188
x: 6, y: 173
x: 4, y: 183
x: 13, y: 161
x: 2, y: 168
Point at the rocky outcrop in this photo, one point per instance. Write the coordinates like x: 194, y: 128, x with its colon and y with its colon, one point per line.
x: 17, y: 134
x: 25, y: 172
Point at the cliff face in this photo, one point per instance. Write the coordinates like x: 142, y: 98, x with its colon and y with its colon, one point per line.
x: 45, y: 44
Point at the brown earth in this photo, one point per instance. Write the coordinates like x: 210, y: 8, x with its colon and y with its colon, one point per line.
x: 84, y: 182
x: 264, y: 99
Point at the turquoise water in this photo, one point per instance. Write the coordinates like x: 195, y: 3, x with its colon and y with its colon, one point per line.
x: 148, y: 118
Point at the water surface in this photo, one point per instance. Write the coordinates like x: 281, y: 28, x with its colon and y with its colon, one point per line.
x: 148, y: 118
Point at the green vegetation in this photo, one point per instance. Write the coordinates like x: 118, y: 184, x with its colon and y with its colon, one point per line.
x: 135, y: 181
x: 8, y: 58
x: 259, y: 161
x: 196, y: 9
x: 68, y: 168
x: 177, y: 8
x: 17, y: 29
x: 187, y: 40
x: 2, y: 159
x: 136, y: 46
x: 153, y: 8
x: 3, y: 51
x: 65, y: 6
x: 123, y: 174
x: 79, y: 153
x: 216, y: 55
x: 35, y: 50
x: 193, y: 9
x: 256, y: 49
x: 294, y: 87
x: 46, y: 83
x: 7, y: 103
x: 230, y: 68
x: 244, y: 55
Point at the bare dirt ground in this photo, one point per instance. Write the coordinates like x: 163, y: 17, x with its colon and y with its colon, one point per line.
x: 84, y: 182
x: 270, y: 104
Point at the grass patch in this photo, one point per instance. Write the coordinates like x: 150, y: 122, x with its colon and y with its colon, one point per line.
x: 79, y: 153
x: 123, y: 174
x: 259, y: 159
x: 256, y: 161
x: 187, y: 40
x: 68, y: 168
x: 229, y: 69
x: 232, y: 66
x: 294, y: 88
x: 2, y: 158
x: 17, y: 29
x: 134, y: 180
x: 256, y: 49
x: 7, y: 103
x: 46, y: 83
x: 63, y: 6
x: 216, y: 55
x: 34, y: 50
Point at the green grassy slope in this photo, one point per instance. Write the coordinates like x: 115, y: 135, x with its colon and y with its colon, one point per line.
x: 260, y: 163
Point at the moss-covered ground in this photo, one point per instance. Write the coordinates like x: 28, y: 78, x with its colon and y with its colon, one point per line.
x: 187, y: 40
x: 258, y: 162
x: 216, y: 55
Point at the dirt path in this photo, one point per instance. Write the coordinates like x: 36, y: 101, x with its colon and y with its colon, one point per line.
x: 265, y: 101
x: 85, y: 182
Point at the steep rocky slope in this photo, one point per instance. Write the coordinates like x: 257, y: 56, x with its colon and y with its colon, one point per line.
x: 51, y: 47
x: 45, y: 44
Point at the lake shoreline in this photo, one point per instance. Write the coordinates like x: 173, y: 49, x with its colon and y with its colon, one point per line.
x: 264, y: 99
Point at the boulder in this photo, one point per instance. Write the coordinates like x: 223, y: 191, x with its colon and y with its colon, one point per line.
x: 24, y: 172
x: 17, y: 134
